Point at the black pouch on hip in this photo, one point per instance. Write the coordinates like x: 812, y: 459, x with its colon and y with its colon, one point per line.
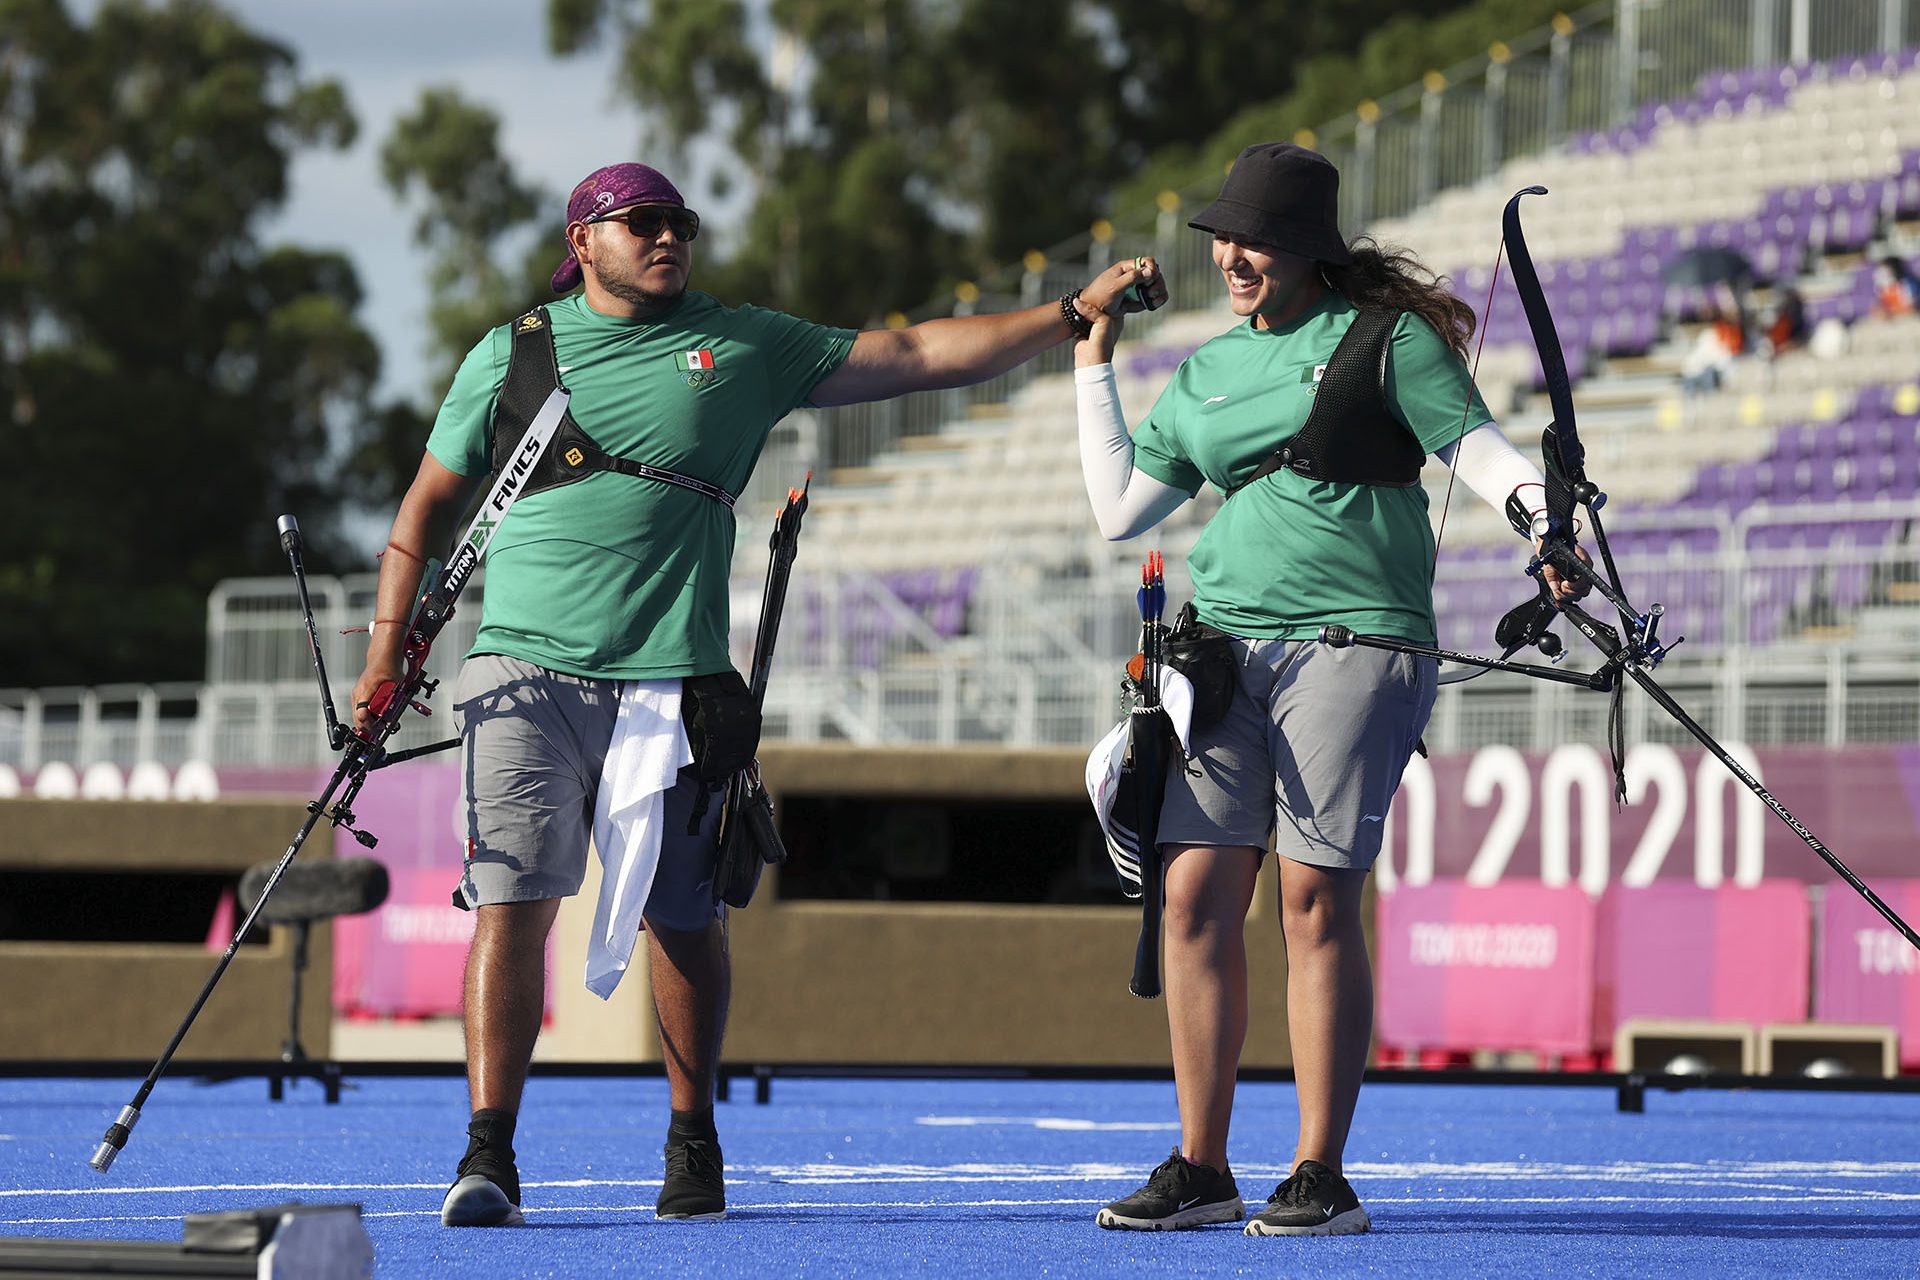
x: 749, y: 840
x: 723, y: 724
x: 1209, y: 659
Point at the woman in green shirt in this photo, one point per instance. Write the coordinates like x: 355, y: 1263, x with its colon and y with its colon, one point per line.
x: 1310, y: 749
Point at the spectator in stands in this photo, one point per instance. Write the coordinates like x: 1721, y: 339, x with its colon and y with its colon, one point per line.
x: 1313, y: 417
x: 1719, y: 342
x: 606, y: 606
x: 1788, y: 327
x: 1896, y: 291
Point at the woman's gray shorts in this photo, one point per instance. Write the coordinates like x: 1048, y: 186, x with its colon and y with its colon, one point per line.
x: 1309, y: 752
x: 532, y: 745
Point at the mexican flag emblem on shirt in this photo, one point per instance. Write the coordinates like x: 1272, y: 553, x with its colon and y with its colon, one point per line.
x: 702, y: 359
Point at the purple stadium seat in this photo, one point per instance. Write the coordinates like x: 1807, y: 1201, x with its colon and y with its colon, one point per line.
x: 1793, y: 441
x: 950, y: 611
x: 1872, y: 401
x: 1848, y: 583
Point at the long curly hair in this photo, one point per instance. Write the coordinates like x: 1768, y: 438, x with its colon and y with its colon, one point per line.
x: 1388, y: 276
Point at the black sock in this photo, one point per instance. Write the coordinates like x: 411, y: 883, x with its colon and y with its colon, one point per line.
x: 692, y: 1126
x: 492, y: 1130
x: 490, y: 1151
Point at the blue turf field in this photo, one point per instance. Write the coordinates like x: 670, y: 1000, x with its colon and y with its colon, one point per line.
x: 999, y: 1178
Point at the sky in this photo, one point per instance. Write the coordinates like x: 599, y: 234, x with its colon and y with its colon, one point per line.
x: 559, y: 120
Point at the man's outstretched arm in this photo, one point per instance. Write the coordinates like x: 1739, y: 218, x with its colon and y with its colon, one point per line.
x: 960, y: 350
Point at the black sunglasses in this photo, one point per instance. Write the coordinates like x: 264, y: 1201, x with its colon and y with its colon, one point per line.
x: 648, y: 219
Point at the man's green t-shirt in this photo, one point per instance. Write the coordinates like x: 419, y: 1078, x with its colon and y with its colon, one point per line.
x: 614, y: 576
x: 1289, y: 555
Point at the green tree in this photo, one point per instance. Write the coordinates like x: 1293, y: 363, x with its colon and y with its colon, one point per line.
x: 1186, y: 67
x: 472, y: 209
x: 885, y: 146
x: 891, y: 147
x: 1399, y: 44
x: 171, y: 384
x: 888, y: 148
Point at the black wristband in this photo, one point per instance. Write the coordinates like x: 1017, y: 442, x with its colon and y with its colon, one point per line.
x: 1081, y: 326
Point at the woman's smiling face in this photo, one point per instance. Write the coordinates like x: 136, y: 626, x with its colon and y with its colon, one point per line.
x: 1265, y: 282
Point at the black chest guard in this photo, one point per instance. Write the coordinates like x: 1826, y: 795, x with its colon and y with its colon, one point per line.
x: 1351, y: 437
x: 532, y: 374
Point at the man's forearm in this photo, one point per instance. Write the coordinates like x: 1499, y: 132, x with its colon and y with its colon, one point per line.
x: 958, y: 351
x: 419, y: 529
x: 962, y: 350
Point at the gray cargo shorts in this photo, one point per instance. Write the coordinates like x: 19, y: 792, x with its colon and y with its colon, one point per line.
x: 1309, y: 753
x: 532, y: 743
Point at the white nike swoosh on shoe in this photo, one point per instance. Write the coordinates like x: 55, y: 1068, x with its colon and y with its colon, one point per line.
x: 1188, y: 1204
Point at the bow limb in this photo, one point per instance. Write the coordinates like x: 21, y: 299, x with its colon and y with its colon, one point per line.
x: 1565, y: 455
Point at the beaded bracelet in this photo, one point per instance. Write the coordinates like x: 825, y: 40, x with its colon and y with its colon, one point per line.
x: 1081, y: 326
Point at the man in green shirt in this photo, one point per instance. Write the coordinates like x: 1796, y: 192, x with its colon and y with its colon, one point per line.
x: 612, y: 583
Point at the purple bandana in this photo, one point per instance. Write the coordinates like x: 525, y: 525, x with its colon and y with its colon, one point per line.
x: 614, y: 187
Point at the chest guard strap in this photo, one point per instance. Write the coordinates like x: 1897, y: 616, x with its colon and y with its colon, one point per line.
x: 532, y: 374
x: 1351, y: 437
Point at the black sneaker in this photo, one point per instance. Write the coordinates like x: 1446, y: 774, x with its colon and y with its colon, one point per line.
x: 485, y: 1192
x: 695, y: 1189
x: 1315, y: 1201
x: 1178, y: 1194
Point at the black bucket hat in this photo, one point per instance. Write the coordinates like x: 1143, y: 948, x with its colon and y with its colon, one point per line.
x: 1282, y: 195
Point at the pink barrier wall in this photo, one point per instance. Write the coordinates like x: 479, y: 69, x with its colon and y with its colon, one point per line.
x: 407, y: 958
x: 1512, y: 819
x: 1503, y: 814
x: 1674, y: 950
x: 1507, y: 966
x: 1867, y: 972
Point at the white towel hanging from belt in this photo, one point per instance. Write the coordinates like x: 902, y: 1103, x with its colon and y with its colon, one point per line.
x: 648, y: 749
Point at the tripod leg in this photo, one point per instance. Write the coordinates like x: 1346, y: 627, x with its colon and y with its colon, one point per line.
x: 292, y: 1050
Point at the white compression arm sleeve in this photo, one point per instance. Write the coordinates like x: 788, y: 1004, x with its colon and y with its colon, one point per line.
x: 1493, y: 468
x: 1126, y: 502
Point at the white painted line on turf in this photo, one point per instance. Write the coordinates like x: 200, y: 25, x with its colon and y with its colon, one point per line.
x: 1066, y: 1123
x: 1630, y: 1168
x: 736, y: 1211
x: 191, y: 1188
x: 742, y: 1211
x: 1456, y: 1201
x: 1836, y: 1178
